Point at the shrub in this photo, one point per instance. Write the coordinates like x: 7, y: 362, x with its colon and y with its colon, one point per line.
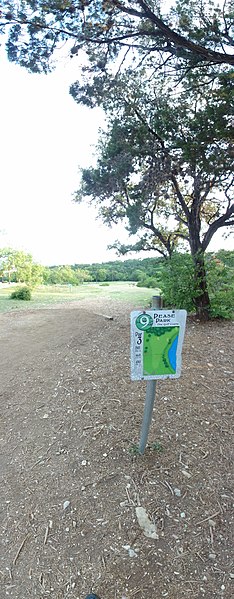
x: 22, y: 293
x: 177, y: 282
x: 222, y: 304
x: 150, y: 282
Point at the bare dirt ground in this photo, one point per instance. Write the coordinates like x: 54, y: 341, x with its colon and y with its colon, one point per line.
x: 70, y: 484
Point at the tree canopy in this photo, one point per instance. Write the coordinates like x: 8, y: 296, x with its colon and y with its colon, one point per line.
x: 185, y: 33
x: 163, y: 73
x: 17, y: 266
x: 165, y: 163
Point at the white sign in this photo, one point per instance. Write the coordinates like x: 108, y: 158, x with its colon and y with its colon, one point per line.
x: 156, y: 343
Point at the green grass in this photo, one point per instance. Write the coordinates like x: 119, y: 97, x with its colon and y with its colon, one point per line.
x: 48, y: 295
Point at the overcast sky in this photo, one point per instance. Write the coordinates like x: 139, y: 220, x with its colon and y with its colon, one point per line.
x: 45, y: 137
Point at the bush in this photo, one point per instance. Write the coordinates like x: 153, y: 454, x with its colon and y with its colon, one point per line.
x: 177, y: 282
x: 22, y: 293
x: 149, y: 282
x: 222, y: 304
x: 104, y: 284
x: 177, y: 285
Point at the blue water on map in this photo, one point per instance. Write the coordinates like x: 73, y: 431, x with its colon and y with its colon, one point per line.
x: 172, y: 353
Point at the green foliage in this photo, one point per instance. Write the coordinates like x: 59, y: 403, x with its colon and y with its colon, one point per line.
x: 19, y: 267
x: 156, y: 446
x: 220, y: 277
x: 22, y: 293
x: 222, y: 304
x: 179, y: 286
x: 187, y: 35
x: 134, y: 449
x: 66, y: 275
x: 150, y: 282
x: 177, y: 282
x: 127, y: 270
x: 165, y: 165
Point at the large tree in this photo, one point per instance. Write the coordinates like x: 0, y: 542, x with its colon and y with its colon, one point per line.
x: 165, y: 162
x: 164, y: 165
x: 19, y: 267
x: 187, y: 34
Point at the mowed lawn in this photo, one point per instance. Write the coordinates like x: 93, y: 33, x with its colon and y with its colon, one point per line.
x: 54, y: 294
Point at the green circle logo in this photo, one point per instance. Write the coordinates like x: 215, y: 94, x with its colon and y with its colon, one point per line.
x: 144, y: 322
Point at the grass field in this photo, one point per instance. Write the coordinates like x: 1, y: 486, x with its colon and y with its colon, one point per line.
x: 47, y: 295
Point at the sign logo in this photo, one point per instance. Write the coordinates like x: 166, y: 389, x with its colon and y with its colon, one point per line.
x: 144, y: 322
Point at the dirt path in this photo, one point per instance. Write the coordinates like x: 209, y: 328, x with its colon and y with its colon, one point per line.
x: 69, y: 416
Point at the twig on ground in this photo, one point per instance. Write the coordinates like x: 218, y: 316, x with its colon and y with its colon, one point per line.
x: 200, y: 557
x: 44, y: 455
x: 208, y: 518
x: 46, y: 535
x: 20, y: 549
x: 166, y: 484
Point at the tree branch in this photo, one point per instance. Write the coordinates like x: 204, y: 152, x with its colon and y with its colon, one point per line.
x: 180, y: 196
x: 222, y: 221
x: 182, y: 42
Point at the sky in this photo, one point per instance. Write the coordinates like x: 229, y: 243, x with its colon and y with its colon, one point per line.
x: 45, y: 137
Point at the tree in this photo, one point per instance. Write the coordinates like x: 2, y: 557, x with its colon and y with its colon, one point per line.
x: 19, y: 267
x: 65, y: 275
x: 165, y: 167
x: 189, y: 34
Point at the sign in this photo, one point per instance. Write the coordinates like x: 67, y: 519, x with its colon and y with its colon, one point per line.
x: 156, y: 343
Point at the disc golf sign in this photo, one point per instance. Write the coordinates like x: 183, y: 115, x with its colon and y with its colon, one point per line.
x: 156, y: 343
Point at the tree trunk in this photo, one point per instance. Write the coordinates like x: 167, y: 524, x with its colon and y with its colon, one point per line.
x: 201, y: 299
x: 201, y: 295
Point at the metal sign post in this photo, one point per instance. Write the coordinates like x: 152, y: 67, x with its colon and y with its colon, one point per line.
x: 150, y: 394
x: 156, y: 347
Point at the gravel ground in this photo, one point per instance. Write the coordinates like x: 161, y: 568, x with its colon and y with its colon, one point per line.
x: 76, y: 499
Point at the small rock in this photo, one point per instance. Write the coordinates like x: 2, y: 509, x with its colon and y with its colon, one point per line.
x: 177, y: 492
x: 212, y: 523
x: 149, y: 527
x: 187, y: 474
x: 212, y: 556
x: 130, y: 551
x: 66, y: 504
x: 46, y: 416
x: 183, y: 515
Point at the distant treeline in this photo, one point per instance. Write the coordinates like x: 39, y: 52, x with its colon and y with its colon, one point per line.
x: 174, y: 277
x: 146, y: 270
x: 128, y: 270
x: 16, y: 266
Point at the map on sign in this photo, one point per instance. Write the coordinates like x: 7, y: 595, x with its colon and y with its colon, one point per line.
x: 156, y: 343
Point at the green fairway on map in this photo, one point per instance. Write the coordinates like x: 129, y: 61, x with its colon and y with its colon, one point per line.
x: 159, y: 350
